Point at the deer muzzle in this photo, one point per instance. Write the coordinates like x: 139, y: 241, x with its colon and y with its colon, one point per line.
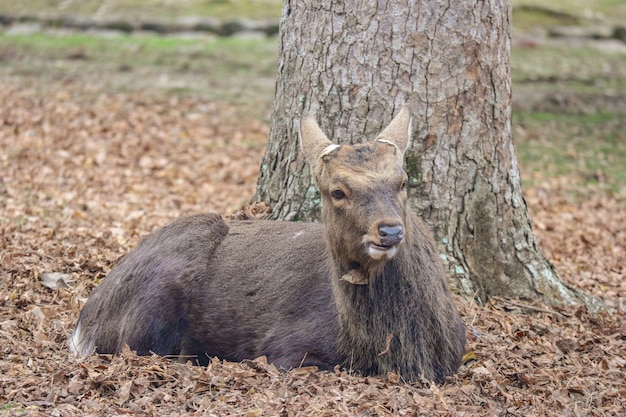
x: 386, y: 243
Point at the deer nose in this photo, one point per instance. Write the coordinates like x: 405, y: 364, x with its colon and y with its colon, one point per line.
x: 390, y: 235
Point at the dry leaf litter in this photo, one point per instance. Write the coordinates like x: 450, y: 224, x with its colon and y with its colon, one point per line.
x: 84, y: 176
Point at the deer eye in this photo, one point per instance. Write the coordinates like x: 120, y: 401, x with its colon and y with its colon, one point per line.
x: 338, y: 194
x: 403, y: 186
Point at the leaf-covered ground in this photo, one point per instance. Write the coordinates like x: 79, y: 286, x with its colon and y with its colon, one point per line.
x: 85, y: 173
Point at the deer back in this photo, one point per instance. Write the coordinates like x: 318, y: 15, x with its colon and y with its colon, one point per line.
x: 269, y: 294
x: 200, y: 287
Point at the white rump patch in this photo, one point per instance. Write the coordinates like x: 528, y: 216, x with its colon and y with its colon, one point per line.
x: 78, y: 346
x: 330, y: 149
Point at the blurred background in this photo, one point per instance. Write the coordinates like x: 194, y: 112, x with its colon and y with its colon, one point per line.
x: 568, y: 67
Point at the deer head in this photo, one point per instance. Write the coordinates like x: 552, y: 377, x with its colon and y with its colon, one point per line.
x: 363, y: 190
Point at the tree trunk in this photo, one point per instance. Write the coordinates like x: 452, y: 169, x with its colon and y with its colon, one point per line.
x: 355, y: 63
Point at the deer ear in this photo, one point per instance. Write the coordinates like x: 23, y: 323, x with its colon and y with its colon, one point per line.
x: 399, y: 130
x: 313, y: 141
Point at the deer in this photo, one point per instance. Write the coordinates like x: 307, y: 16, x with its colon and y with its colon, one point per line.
x: 364, y: 289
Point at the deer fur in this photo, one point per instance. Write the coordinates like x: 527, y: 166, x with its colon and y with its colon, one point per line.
x: 365, y: 290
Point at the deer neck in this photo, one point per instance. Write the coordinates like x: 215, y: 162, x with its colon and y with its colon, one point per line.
x: 370, y: 337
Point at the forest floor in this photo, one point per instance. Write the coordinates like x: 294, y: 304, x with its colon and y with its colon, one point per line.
x: 103, y: 139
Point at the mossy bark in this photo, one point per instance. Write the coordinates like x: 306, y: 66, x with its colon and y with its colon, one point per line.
x: 355, y: 63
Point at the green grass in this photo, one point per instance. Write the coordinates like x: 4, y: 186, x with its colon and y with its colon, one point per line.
x: 581, y: 65
x: 238, y: 70
x: 226, y: 54
x: 220, y: 56
x: 153, y: 9
x: 526, y: 17
x: 569, y: 118
x: 589, y: 149
x: 580, y: 12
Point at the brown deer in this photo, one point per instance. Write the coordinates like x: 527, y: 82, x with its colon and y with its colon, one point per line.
x: 365, y: 290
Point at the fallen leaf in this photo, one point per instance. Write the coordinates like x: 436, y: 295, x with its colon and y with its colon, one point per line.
x: 56, y: 280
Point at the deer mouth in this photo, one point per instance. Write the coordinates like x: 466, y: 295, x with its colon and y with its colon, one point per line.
x: 379, y: 251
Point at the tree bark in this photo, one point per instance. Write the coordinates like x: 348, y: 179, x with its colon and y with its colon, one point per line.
x: 355, y: 63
